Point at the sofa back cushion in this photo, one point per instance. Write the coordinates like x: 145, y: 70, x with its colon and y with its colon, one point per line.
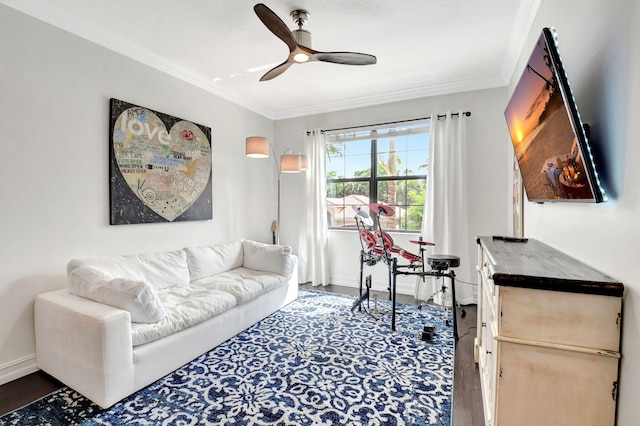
x: 207, y: 261
x: 137, y: 297
x: 160, y: 270
x: 268, y: 258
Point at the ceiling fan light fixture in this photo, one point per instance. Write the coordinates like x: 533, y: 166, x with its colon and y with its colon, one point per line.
x: 301, y: 57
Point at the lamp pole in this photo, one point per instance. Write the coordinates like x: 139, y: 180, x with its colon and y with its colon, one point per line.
x: 259, y: 147
x: 279, y: 190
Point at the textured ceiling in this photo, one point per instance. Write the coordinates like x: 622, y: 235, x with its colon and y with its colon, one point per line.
x: 423, y: 47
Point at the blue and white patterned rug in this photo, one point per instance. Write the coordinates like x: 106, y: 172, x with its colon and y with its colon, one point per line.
x: 312, y: 363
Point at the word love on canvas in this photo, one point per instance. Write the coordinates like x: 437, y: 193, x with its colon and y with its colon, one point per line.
x: 139, y: 128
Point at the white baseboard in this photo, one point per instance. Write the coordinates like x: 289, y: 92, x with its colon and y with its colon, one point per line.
x: 18, y: 368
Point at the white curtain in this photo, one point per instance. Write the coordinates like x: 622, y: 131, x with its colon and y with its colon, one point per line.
x: 313, y: 245
x: 444, y: 221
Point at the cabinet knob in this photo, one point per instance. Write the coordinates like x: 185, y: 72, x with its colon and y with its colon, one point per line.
x: 484, y: 324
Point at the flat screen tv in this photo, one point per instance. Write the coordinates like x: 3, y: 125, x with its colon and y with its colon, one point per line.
x: 548, y: 136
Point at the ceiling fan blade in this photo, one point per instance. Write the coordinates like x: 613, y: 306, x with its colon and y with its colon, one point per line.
x: 276, y: 71
x: 275, y: 25
x: 345, y: 58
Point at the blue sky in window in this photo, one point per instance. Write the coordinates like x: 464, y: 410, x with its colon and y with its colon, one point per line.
x: 413, y: 150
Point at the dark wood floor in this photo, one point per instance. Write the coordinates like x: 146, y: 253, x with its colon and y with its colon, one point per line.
x: 25, y: 390
x: 467, y: 400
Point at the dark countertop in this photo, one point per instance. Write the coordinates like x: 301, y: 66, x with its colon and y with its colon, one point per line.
x: 533, y: 264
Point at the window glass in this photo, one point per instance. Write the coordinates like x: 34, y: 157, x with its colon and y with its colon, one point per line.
x: 388, y: 165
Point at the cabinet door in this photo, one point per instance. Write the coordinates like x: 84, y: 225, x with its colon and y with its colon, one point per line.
x: 547, y: 386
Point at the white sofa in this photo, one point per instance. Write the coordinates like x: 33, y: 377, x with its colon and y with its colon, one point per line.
x: 127, y: 321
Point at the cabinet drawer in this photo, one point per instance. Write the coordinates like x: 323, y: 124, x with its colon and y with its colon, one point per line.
x: 585, y: 320
x: 491, y: 291
x: 487, y: 282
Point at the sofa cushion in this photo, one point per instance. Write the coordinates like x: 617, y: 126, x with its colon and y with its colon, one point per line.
x: 136, y: 297
x: 267, y: 280
x: 186, y: 306
x: 160, y: 270
x: 207, y: 261
x: 268, y: 258
x: 243, y: 290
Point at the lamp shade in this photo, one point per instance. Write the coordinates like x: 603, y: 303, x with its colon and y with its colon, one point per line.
x: 257, y: 147
x: 303, y: 162
x: 290, y: 163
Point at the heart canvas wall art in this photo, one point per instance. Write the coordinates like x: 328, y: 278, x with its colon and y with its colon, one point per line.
x: 159, y: 166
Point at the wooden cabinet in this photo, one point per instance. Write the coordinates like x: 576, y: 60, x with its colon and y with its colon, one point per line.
x: 548, y: 337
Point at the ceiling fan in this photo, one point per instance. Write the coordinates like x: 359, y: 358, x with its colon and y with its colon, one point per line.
x: 299, y: 43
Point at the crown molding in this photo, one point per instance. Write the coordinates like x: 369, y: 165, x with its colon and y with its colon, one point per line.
x: 522, y: 25
x: 445, y: 88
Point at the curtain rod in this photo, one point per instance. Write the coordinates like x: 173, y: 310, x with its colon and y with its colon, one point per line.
x: 454, y: 114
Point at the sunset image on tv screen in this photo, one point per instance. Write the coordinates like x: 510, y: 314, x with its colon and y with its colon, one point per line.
x: 543, y: 138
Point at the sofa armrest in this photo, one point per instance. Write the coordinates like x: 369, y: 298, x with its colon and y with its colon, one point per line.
x: 86, y: 345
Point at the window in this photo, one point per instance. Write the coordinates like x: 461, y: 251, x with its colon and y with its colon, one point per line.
x: 388, y: 165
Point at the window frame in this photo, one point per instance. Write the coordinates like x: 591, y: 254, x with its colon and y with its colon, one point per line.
x: 373, y: 180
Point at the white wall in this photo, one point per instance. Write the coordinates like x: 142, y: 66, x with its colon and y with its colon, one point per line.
x: 54, y: 114
x: 489, y: 154
x: 600, y: 44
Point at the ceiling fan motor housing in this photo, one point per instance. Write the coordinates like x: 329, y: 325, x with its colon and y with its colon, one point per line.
x: 302, y: 37
x: 299, y: 18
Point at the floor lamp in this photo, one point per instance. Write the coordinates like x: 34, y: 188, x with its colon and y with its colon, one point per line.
x: 290, y: 162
